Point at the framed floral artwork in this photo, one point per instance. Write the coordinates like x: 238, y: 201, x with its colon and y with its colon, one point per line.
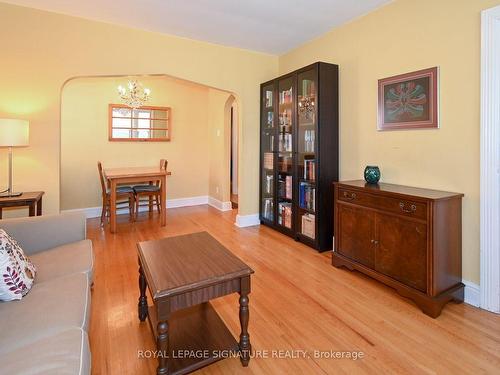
x: 409, y: 101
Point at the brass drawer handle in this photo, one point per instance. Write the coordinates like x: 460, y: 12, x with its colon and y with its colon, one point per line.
x: 350, y: 197
x: 410, y: 210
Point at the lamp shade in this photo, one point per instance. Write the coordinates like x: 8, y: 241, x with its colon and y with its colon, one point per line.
x: 14, y: 133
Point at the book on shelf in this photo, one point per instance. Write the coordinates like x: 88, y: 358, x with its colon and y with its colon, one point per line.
x: 269, y: 184
x: 285, y: 143
x: 285, y: 120
x: 270, y: 119
x: 269, y: 99
x: 308, y: 88
x: 286, y: 96
x: 285, y: 214
x: 288, y: 187
x: 285, y: 187
x: 310, y: 169
x: 268, y: 208
x: 309, y: 138
x: 307, y: 196
x: 281, y: 187
x: 285, y: 163
x: 308, y: 225
x: 268, y: 160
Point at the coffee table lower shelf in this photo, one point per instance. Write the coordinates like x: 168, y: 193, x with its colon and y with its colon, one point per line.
x: 197, y: 338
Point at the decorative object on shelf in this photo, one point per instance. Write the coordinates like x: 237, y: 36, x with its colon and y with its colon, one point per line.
x: 13, y: 133
x: 409, y: 101
x: 136, y: 96
x: 372, y: 174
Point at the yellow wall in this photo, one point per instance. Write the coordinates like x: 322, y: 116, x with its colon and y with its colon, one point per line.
x: 84, y: 138
x: 401, y: 37
x: 41, y: 50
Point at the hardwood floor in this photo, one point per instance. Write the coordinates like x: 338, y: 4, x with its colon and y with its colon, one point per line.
x: 298, y: 302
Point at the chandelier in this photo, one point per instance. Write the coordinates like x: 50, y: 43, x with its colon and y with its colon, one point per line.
x: 306, y: 107
x: 136, y: 95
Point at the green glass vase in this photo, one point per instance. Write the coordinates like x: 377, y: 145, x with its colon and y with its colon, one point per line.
x: 372, y: 174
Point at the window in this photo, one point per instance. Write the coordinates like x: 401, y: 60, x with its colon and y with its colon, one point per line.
x: 141, y: 124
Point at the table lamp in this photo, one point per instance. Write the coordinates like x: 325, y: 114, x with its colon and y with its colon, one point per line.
x: 13, y: 133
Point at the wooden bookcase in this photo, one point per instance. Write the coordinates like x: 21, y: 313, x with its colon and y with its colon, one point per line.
x: 299, y: 153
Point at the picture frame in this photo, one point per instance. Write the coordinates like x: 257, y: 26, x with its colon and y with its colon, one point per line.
x: 409, y: 101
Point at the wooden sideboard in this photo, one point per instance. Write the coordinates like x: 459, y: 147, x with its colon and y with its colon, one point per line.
x: 408, y: 238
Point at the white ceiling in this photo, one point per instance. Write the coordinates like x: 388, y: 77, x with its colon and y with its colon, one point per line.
x: 272, y: 26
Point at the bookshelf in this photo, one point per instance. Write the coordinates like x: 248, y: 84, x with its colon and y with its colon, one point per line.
x: 299, y: 153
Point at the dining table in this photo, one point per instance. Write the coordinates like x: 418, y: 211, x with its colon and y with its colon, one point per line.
x: 136, y: 175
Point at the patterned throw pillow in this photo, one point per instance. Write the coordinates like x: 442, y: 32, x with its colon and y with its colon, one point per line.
x: 17, y: 273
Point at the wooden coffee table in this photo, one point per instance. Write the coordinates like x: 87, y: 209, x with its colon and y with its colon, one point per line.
x: 183, y: 274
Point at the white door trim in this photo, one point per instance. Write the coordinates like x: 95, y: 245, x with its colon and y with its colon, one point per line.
x: 490, y: 158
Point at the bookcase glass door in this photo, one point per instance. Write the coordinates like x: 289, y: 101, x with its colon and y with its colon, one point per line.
x: 285, y: 152
x: 306, y: 158
x: 268, y: 149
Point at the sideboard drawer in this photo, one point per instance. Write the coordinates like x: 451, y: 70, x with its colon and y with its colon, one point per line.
x: 407, y: 207
x: 404, y: 207
x: 356, y: 197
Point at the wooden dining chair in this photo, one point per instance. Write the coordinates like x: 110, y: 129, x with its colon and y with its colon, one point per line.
x: 121, y: 193
x: 151, y: 191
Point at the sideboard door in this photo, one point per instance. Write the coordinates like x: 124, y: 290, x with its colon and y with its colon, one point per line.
x: 357, y: 233
x: 402, y: 250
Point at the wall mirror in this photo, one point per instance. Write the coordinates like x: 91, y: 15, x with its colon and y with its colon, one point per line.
x: 146, y: 123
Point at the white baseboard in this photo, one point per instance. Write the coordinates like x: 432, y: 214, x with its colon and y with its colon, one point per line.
x: 221, y: 206
x: 471, y: 293
x: 243, y: 221
x: 92, y: 212
x: 185, y: 202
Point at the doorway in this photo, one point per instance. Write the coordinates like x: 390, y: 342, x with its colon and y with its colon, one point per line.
x: 234, y: 156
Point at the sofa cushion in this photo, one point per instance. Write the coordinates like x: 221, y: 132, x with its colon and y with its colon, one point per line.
x: 67, y: 352
x: 64, y: 260
x: 17, y: 273
x: 51, y: 307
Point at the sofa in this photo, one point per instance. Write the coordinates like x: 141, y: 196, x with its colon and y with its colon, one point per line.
x: 46, y: 332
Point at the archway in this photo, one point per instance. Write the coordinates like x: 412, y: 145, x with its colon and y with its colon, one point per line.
x: 86, y: 176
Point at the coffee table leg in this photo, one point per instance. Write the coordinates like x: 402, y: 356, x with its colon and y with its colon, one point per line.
x: 162, y: 346
x: 245, y: 346
x: 143, y: 300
